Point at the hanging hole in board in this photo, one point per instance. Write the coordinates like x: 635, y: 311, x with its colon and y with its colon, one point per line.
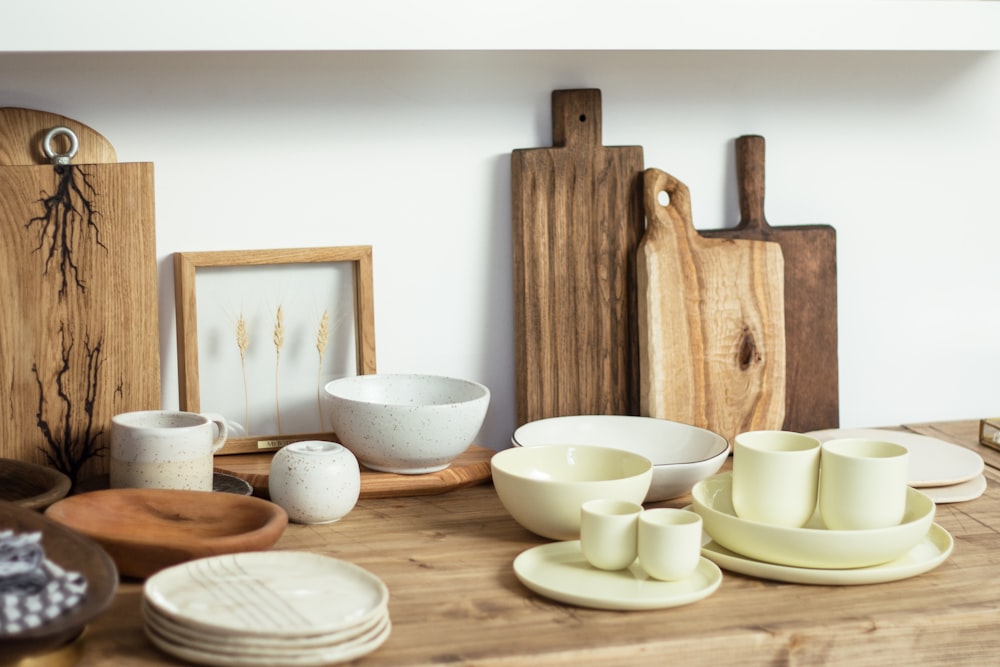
x: 60, y: 145
x: 583, y: 118
x: 663, y: 198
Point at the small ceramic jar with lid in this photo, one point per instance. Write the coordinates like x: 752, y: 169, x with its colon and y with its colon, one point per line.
x: 315, y: 481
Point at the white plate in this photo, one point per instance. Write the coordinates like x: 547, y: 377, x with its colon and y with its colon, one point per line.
x: 311, y: 658
x: 957, y: 493
x: 559, y: 571
x: 226, y: 643
x: 933, y: 462
x: 681, y: 454
x: 267, y: 593
x: 933, y: 550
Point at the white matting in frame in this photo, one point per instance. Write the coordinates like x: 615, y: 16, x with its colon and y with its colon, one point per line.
x: 260, y: 333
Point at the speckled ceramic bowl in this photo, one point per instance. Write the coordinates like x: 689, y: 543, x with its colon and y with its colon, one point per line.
x: 409, y: 424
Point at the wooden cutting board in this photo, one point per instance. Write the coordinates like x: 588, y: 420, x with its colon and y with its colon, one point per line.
x: 810, y: 254
x: 470, y: 468
x: 711, y: 321
x: 78, y: 333
x: 577, y: 220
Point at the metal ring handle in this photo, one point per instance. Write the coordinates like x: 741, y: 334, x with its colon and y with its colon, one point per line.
x: 60, y: 158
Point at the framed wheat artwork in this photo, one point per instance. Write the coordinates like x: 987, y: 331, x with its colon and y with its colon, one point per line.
x: 261, y: 332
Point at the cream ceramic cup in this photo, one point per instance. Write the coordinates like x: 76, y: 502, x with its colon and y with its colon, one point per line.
x: 669, y: 542
x: 609, y: 533
x: 863, y: 484
x: 163, y: 449
x: 775, y: 477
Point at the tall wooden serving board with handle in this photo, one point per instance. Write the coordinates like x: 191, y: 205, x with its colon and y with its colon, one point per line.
x: 711, y: 321
x: 810, y: 254
x: 78, y: 332
x: 577, y: 221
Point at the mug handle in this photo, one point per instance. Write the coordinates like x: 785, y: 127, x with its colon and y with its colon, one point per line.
x: 221, y: 429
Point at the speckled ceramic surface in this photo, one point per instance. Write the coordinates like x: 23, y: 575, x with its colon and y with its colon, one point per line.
x: 315, y: 481
x: 164, y: 449
x: 409, y: 424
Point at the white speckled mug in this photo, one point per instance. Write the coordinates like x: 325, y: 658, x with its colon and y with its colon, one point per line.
x: 163, y: 449
x: 315, y: 481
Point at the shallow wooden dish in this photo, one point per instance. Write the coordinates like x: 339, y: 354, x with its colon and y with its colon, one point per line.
x: 31, y: 485
x: 70, y: 551
x: 146, y: 530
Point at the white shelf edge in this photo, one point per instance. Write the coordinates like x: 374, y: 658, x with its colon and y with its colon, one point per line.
x: 513, y: 25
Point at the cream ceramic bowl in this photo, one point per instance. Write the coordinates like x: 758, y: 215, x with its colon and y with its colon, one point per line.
x: 681, y: 454
x: 812, y: 546
x: 543, y: 487
x: 409, y: 424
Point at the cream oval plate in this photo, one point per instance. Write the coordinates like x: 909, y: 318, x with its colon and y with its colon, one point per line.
x: 924, y: 557
x: 559, y: 571
x: 933, y: 462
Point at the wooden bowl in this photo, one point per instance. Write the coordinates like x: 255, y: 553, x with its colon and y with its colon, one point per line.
x: 72, y: 552
x: 146, y: 530
x: 31, y: 485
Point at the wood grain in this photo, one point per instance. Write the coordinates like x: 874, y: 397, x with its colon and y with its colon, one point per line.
x: 30, y: 485
x: 812, y: 400
x: 711, y: 321
x: 470, y: 468
x: 454, y: 599
x: 79, y: 341
x: 577, y: 219
x: 146, y: 530
x: 22, y: 132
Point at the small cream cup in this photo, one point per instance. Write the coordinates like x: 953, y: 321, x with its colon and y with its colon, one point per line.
x: 775, y: 477
x: 863, y: 483
x: 669, y: 542
x: 609, y: 533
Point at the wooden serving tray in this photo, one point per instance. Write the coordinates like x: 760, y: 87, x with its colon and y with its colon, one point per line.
x: 470, y: 468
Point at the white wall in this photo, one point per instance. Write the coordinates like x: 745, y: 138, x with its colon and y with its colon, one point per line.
x: 409, y: 152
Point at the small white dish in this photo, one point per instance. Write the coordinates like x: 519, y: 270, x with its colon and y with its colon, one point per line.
x: 287, y: 594
x: 681, y: 454
x: 813, y: 545
x: 930, y: 552
x: 559, y: 571
x: 957, y: 493
x: 933, y: 462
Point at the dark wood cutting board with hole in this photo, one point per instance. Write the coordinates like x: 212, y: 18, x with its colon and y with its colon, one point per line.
x: 78, y: 335
x: 810, y: 254
x: 577, y: 221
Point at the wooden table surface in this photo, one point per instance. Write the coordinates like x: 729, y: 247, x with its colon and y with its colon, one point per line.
x: 455, y: 599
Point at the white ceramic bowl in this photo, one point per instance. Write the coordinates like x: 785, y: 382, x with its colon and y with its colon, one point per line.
x: 409, y: 424
x: 812, y: 546
x: 543, y: 487
x: 681, y: 454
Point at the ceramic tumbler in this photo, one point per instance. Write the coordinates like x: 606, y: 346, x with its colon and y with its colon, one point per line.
x: 164, y: 449
x: 775, y: 477
x: 862, y: 483
x: 669, y: 542
x: 315, y: 481
x: 609, y: 533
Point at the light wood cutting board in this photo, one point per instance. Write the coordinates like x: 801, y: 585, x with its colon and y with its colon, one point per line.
x: 711, y: 321
x: 812, y: 400
x: 577, y: 220
x: 78, y: 332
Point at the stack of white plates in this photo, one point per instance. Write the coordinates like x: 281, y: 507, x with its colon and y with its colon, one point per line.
x: 265, y: 608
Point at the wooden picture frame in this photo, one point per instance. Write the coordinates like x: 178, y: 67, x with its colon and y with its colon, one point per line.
x: 274, y: 328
